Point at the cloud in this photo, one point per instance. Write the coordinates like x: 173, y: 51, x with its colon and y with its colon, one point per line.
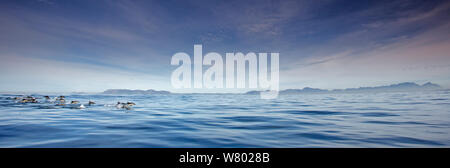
x: 321, y: 44
x: 33, y: 74
x: 32, y: 34
x: 424, y: 57
x: 258, y: 17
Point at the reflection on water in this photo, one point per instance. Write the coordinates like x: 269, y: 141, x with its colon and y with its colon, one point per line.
x: 418, y: 119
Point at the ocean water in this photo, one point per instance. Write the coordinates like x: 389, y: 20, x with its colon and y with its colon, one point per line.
x: 415, y: 119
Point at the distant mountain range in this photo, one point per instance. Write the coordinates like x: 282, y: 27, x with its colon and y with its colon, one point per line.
x: 128, y: 91
x: 406, y: 86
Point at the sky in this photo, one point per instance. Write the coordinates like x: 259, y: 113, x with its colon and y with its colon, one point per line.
x: 91, y: 46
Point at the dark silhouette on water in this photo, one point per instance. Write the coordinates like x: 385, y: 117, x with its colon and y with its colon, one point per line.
x: 128, y: 91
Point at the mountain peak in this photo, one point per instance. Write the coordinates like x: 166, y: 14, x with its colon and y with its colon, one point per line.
x: 404, y: 86
x: 431, y: 85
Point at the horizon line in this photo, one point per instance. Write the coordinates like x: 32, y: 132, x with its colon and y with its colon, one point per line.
x: 175, y: 92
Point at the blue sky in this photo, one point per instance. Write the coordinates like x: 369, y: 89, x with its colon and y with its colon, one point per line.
x: 57, y: 45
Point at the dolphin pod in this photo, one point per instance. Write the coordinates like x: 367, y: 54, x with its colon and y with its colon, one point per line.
x: 61, y: 101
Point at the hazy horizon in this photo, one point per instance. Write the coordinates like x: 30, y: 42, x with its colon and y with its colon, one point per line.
x: 188, y: 91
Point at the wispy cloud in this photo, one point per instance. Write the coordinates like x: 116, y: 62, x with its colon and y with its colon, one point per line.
x: 258, y: 17
x: 418, y: 58
x: 34, y: 74
x: 328, y: 44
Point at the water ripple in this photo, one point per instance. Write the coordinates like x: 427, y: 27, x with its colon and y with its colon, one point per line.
x: 208, y: 120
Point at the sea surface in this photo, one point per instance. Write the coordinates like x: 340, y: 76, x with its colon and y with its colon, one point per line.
x: 401, y: 119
